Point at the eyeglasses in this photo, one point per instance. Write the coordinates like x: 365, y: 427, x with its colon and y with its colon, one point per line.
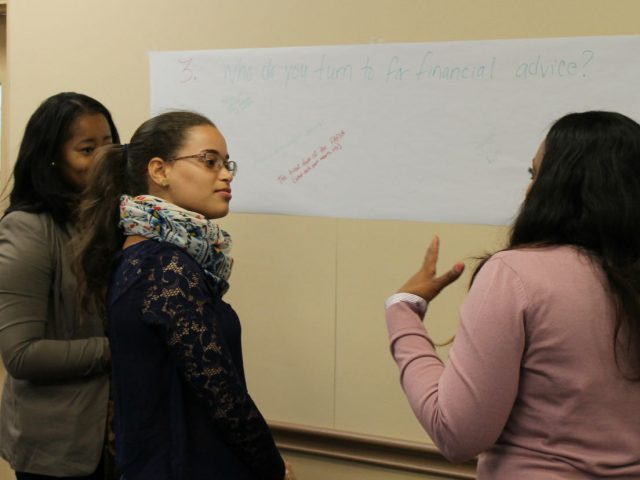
x: 213, y: 161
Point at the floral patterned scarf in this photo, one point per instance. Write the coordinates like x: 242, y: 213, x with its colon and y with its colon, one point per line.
x: 206, y: 242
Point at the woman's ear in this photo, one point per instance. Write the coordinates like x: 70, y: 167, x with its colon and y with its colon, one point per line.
x: 158, y: 171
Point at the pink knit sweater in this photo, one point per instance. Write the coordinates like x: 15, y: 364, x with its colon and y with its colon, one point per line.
x: 531, y: 384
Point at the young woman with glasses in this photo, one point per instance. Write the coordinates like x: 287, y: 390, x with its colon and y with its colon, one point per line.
x: 152, y: 257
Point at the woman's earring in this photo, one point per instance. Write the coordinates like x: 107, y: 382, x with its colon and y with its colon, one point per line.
x: 164, y: 182
x: 53, y: 164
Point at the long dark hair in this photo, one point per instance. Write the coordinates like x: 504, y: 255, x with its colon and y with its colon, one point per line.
x: 38, y: 185
x: 587, y: 194
x: 120, y: 170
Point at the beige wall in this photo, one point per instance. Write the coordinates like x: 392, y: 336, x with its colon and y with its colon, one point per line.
x: 309, y: 290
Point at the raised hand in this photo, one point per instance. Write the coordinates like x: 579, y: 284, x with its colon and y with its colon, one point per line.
x: 424, y: 282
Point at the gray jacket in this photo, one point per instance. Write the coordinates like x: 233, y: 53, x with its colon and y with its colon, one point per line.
x: 54, y: 403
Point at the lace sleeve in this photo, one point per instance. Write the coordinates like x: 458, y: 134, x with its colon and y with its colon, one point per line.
x: 178, y: 300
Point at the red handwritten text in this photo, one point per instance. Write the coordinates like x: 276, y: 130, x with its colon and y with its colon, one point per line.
x: 297, y: 172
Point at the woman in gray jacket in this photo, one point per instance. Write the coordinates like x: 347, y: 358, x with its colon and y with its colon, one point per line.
x: 53, y: 412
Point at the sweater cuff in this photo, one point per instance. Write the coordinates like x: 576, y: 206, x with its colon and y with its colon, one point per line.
x: 417, y: 303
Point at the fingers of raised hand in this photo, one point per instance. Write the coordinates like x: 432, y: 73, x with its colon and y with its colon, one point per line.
x: 450, y: 276
x: 424, y: 283
x: 431, y: 257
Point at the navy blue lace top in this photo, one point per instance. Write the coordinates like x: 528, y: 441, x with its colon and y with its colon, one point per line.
x: 182, y: 410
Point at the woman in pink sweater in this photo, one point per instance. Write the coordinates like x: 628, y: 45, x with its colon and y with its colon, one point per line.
x: 543, y: 378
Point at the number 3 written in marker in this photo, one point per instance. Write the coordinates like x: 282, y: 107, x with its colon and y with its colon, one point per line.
x: 188, y: 74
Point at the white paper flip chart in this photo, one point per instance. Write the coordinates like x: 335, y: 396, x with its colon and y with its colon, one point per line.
x: 440, y: 132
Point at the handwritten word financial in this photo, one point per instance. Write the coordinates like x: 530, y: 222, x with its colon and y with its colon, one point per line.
x: 438, y: 70
x: 308, y: 164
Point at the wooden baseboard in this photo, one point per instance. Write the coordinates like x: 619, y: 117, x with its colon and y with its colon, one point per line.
x: 371, y: 450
